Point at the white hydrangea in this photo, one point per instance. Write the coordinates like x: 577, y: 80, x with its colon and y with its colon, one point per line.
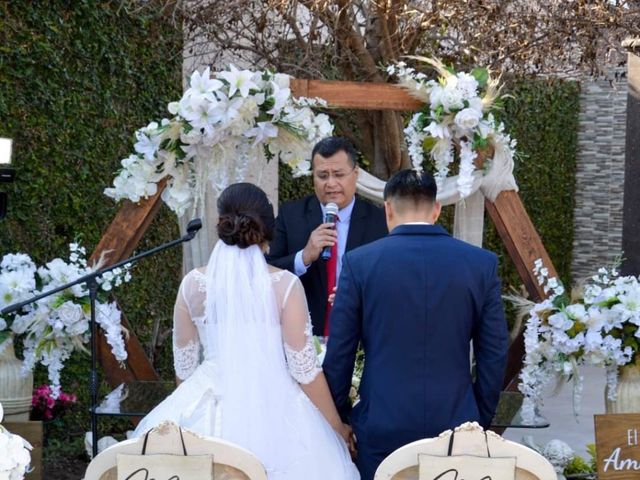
x: 595, y: 330
x: 56, y: 326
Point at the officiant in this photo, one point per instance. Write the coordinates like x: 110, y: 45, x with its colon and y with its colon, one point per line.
x: 302, y: 233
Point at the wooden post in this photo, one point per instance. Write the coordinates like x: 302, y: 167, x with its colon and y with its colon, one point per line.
x: 357, y: 95
x: 117, y: 243
x: 524, y: 246
x: 520, y: 238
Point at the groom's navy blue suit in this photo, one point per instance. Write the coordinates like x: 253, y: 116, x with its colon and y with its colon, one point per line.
x: 416, y: 299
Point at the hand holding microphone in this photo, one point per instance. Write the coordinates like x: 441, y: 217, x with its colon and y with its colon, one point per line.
x: 323, y: 237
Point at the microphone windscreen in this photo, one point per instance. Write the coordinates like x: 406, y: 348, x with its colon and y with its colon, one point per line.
x: 194, y: 225
x: 331, y: 209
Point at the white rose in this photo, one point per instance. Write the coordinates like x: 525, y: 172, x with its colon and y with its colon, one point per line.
x: 561, y: 321
x: 451, y: 99
x: 69, y: 314
x: 468, y: 118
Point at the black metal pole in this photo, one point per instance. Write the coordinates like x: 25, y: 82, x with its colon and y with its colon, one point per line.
x: 93, y: 292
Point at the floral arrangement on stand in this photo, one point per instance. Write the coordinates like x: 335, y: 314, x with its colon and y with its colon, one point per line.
x: 56, y: 326
x: 598, y: 325
x: 457, y: 124
x: 222, y: 123
x: 44, y: 406
x: 14, y: 454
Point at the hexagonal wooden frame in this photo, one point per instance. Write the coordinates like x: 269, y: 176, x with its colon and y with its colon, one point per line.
x: 507, y: 213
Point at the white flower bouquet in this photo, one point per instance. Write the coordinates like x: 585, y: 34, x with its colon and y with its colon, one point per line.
x: 14, y: 454
x: 456, y: 124
x: 598, y: 326
x: 222, y: 123
x: 55, y: 326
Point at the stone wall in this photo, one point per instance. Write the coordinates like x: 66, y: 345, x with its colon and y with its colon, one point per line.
x: 599, y: 175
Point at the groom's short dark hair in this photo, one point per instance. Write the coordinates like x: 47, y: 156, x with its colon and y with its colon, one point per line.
x: 412, y: 187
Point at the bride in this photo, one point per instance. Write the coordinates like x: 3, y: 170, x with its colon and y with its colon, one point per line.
x: 259, y: 384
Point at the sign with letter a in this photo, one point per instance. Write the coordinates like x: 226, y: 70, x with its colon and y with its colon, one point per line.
x: 466, y: 467
x: 164, y: 467
x: 618, y: 446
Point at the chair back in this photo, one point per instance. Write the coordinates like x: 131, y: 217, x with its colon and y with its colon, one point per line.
x: 231, y: 462
x: 470, y: 439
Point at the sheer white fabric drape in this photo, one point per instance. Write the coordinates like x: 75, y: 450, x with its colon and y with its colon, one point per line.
x: 469, y: 214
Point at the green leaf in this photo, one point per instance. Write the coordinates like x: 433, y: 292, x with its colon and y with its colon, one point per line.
x: 429, y: 143
x: 481, y: 75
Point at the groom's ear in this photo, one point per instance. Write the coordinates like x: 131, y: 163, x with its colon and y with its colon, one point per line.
x: 437, y: 209
x: 388, y: 213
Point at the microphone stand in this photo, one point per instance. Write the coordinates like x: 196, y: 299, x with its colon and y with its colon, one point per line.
x: 92, y: 285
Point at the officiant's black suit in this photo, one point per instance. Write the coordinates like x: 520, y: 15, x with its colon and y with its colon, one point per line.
x: 296, y: 220
x: 415, y: 299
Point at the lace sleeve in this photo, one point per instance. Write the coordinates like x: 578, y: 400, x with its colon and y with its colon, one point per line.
x: 186, y: 344
x: 299, y: 349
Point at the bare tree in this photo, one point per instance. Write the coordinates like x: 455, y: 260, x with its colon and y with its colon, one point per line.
x: 353, y: 39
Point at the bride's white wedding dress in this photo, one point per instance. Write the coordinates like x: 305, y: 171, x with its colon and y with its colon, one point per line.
x: 241, y: 352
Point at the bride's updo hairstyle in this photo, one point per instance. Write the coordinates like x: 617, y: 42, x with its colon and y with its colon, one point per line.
x: 245, y: 216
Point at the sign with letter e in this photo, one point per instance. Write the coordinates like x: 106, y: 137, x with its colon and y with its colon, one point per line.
x: 618, y: 446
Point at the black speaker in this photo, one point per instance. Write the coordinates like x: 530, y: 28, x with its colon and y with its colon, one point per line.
x: 3, y: 205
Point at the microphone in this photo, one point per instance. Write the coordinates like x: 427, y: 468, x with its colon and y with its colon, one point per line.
x: 192, y: 228
x: 330, y: 216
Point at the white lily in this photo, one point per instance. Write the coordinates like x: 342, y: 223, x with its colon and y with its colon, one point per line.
x: 280, y: 97
x: 262, y: 131
x: 203, y: 84
x: 239, y: 80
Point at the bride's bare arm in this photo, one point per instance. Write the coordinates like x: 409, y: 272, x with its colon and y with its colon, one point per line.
x: 301, y: 354
x: 186, y: 344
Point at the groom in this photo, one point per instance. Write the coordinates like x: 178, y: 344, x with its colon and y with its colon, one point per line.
x: 415, y: 299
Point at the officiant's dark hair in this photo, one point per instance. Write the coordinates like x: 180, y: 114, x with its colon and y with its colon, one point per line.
x: 409, y: 185
x: 245, y: 216
x: 327, y: 147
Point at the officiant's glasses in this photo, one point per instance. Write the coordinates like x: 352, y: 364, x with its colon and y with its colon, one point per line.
x: 339, y: 175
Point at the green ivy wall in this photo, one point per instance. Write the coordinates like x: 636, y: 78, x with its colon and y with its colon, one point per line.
x: 76, y: 80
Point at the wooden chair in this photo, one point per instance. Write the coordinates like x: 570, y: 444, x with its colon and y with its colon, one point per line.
x: 470, y: 439
x: 231, y: 462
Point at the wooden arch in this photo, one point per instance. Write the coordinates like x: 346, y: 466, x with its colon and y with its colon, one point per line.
x: 507, y: 213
